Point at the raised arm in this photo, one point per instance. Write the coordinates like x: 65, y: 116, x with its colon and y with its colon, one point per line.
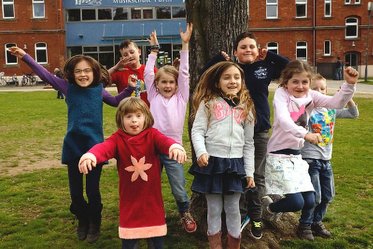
x: 44, y: 74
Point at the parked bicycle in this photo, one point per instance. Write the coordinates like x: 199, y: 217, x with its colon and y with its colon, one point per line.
x: 3, y: 81
x: 28, y: 80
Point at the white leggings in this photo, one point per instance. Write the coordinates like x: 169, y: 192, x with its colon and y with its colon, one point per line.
x: 215, y: 204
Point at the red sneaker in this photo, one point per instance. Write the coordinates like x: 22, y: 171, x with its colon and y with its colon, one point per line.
x: 188, y: 222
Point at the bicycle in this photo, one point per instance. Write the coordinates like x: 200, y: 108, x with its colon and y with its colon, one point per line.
x: 28, y: 80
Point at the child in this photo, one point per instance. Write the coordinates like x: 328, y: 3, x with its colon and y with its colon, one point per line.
x: 129, y: 68
x: 84, y: 95
x: 260, y: 67
x: 135, y: 146
x: 222, y: 137
x: 286, y: 172
x: 322, y: 120
x: 168, y: 95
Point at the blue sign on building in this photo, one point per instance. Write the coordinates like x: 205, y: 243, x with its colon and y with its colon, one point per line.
x: 97, y: 27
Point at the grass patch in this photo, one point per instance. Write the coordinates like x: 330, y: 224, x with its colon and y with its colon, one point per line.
x: 34, y: 208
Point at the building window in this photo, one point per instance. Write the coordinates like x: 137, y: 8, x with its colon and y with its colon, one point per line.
x: 302, y: 51
x: 357, y: 1
x: 9, y: 58
x: 88, y: 14
x: 273, y: 47
x: 327, y: 48
x: 147, y: 13
x: 347, y: 1
x: 41, y: 53
x: 121, y: 14
x: 38, y: 8
x: 178, y: 12
x: 163, y: 12
x: 73, y: 15
x: 351, y: 28
x: 135, y: 13
x: 328, y: 8
x: 104, y: 14
x: 301, y: 8
x: 271, y: 9
x: 8, y: 9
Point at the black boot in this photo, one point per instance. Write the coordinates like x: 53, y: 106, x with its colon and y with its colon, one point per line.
x: 82, y: 229
x: 93, y: 231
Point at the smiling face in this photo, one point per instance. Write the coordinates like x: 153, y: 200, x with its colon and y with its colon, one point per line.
x: 320, y: 86
x: 298, y: 85
x: 247, y: 51
x: 131, y: 53
x: 83, y: 74
x: 230, y: 82
x: 166, y: 85
x: 133, y: 122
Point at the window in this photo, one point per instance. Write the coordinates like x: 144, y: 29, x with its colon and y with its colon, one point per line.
x: 104, y: 14
x: 357, y: 1
x: 38, y: 8
x: 328, y: 8
x: 88, y: 14
x: 347, y: 1
x: 178, y: 12
x: 327, y: 48
x: 136, y: 13
x: 8, y: 9
x: 73, y: 15
x: 301, y: 51
x: 147, y: 13
x: 351, y: 28
x: 271, y: 9
x: 41, y: 53
x: 9, y: 58
x: 121, y: 14
x: 163, y: 12
x: 301, y: 8
x: 273, y: 47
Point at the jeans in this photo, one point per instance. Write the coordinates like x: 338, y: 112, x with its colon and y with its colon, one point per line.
x: 176, y: 178
x: 304, y: 201
x: 322, y: 178
x: 155, y: 242
x: 250, y: 200
x: 79, y: 206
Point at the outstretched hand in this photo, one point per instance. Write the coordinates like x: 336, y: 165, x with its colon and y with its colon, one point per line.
x: 153, y: 40
x: 351, y: 75
x: 16, y: 51
x: 185, y: 36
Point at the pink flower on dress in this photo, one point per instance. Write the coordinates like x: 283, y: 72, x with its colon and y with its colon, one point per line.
x: 138, y: 168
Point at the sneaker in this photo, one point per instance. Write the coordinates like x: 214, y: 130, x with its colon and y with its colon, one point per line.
x: 244, y: 222
x: 304, y: 232
x: 319, y: 229
x: 256, y: 230
x: 93, y: 232
x: 188, y: 222
x: 82, y: 229
x: 267, y: 213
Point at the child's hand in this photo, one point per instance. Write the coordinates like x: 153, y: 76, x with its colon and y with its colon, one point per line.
x: 87, y: 162
x: 153, y: 40
x: 132, y: 80
x: 351, y: 75
x: 203, y: 160
x: 225, y: 55
x: 250, y: 182
x: 178, y: 155
x: 16, y: 51
x: 185, y: 36
x: 262, y: 53
x: 313, y: 138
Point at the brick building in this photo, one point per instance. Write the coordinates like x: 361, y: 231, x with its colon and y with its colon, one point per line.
x: 318, y: 31
x: 37, y: 26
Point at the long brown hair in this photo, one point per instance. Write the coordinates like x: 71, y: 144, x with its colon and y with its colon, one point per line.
x: 68, y: 69
x: 295, y: 67
x: 207, y: 89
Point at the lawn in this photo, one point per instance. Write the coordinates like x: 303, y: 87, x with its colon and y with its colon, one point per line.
x: 34, y: 188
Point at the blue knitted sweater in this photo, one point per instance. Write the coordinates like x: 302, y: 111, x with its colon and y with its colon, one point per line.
x: 84, y: 125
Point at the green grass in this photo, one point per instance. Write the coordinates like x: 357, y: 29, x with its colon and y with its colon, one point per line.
x: 34, y: 205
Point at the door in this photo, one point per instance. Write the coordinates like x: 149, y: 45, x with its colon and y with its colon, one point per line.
x: 352, y: 59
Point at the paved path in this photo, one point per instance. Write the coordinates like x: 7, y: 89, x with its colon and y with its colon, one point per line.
x: 363, y: 90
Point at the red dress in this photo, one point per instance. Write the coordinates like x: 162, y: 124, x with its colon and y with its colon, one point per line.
x: 141, y: 210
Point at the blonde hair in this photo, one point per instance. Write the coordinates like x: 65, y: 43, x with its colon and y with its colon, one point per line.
x: 315, y: 78
x: 132, y: 105
x: 207, y: 89
x: 167, y: 69
x: 294, y: 67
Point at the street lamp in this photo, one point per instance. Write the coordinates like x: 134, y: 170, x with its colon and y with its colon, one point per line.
x: 370, y: 9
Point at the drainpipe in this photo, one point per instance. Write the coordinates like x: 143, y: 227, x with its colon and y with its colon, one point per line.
x: 314, y: 33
